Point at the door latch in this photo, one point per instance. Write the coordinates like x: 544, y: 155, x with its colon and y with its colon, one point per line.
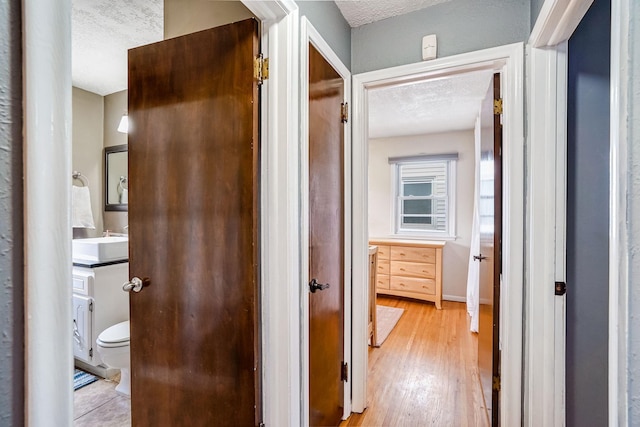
x: 479, y: 258
x: 315, y: 286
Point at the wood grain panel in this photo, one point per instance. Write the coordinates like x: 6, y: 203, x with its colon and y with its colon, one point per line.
x: 382, y: 281
x: 383, y: 252
x: 413, y: 269
x: 326, y: 241
x: 407, y: 253
x: 193, y: 215
x: 383, y: 266
x: 425, y: 286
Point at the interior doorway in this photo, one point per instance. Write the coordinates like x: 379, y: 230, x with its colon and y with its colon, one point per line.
x: 424, y: 149
x: 507, y: 61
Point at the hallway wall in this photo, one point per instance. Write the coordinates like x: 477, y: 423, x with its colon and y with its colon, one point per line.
x: 460, y: 25
x: 588, y: 219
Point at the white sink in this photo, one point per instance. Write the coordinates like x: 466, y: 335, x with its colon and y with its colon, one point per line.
x: 100, y: 249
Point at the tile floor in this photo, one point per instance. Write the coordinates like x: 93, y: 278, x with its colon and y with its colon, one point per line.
x: 98, y: 404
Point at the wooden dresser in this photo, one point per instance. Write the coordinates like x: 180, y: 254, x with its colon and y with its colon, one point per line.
x: 410, y: 269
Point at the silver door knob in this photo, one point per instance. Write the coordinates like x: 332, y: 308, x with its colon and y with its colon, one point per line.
x: 134, y: 285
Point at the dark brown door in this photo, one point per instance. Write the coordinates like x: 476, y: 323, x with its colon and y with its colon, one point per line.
x: 326, y: 241
x: 193, y: 215
x: 490, y: 257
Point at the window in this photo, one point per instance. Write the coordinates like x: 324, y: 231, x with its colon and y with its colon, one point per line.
x: 424, y: 199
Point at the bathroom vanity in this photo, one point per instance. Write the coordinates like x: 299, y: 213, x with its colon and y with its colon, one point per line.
x: 98, y: 303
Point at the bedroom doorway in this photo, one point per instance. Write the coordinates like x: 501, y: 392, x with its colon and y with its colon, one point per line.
x: 402, y: 217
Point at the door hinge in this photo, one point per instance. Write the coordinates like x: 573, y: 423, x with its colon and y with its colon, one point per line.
x: 497, y: 106
x: 91, y: 352
x: 496, y: 383
x: 91, y: 306
x: 261, y: 425
x: 261, y: 68
x: 344, y: 372
x: 561, y: 288
x: 344, y: 112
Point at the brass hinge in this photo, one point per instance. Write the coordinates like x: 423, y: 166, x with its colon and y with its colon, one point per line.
x: 561, y: 288
x: 496, y: 383
x: 497, y: 106
x: 344, y: 372
x: 261, y: 68
x: 344, y: 112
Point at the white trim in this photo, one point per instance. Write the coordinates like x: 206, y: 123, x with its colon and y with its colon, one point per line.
x: 561, y: 234
x: 557, y: 20
x: 310, y: 35
x: 509, y: 60
x: 544, y: 373
x: 47, y: 54
x: 454, y: 298
x: 618, y: 222
x: 47, y: 164
x: 280, y: 198
x: 407, y: 233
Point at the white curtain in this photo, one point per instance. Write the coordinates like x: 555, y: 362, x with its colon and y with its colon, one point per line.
x: 473, y: 276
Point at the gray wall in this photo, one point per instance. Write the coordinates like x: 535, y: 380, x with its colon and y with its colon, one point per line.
x: 114, y: 106
x: 460, y: 25
x: 188, y: 16
x: 536, y: 5
x: 11, y: 212
x: 328, y: 20
x: 588, y: 219
x: 633, y: 211
x: 88, y: 116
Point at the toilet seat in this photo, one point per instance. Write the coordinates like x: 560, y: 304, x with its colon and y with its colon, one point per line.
x: 115, y: 336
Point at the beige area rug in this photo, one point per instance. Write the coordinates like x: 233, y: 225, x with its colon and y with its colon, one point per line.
x: 387, y: 319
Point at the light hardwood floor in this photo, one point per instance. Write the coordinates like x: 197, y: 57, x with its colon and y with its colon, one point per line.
x: 426, y: 372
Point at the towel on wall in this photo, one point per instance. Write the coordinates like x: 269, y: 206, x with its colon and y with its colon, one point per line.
x: 81, y: 215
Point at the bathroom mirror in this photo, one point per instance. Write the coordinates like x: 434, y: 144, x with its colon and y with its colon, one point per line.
x: 116, y: 178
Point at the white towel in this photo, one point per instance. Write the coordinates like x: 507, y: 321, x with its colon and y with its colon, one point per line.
x: 81, y: 215
x: 124, y: 196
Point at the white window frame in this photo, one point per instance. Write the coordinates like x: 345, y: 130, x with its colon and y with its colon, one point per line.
x: 450, y: 231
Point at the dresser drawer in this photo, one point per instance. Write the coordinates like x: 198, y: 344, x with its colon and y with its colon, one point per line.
x: 382, y: 281
x: 409, y: 284
x: 413, y: 269
x: 383, y: 266
x: 407, y: 253
x: 383, y: 252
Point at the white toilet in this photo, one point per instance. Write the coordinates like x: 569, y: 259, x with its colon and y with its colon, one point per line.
x: 113, y: 347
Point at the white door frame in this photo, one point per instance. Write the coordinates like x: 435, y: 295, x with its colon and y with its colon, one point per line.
x: 545, y: 264
x: 546, y: 342
x: 47, y: 111
x: 509, y: 60
x: 309, y: 35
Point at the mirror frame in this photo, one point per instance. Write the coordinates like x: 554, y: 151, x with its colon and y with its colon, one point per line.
x: 111, y: 150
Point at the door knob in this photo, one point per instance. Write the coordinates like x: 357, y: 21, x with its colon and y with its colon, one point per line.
x: 315, y: 286
x: 479, y: 258
x: 134, y: 285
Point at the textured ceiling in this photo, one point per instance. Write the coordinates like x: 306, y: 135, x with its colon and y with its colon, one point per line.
x: 360, y: 12
x: 431, y: 106
x: 102, y: 32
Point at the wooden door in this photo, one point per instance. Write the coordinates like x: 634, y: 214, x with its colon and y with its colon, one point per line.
x: 193, y: 215
x: 326, y: 241
x: 490, y: 260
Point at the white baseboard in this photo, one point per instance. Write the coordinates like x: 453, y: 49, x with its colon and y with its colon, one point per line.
x: 454, y: 298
